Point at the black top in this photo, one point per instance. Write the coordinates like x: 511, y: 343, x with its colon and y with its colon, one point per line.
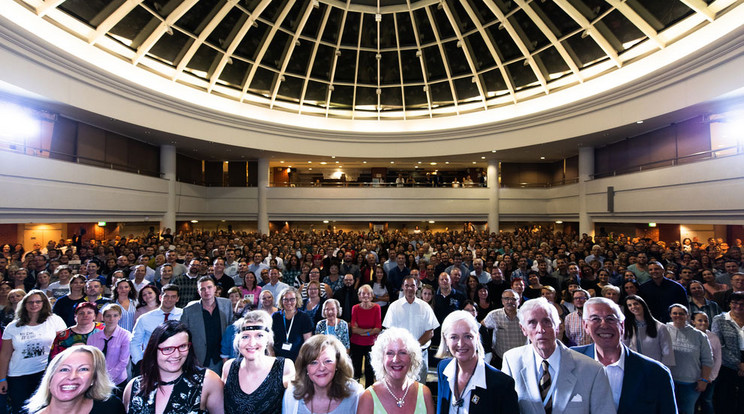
x: 212, y: 324
x: 185, y: 397
x: 111, y: 406
x: 301, y: 325
x: 65, y: 308
x: 266, y: 399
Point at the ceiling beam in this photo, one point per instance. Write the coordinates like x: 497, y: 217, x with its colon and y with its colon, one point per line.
x: 445, y: 61
x: 491, y: 49
x: 551, y: 37
x: 47, y: 5
x: 520, y: 44
x: 422, y: 62
x: 238, y: 37
x: 638, y: 21
x: 700, y: 7
x: 311, y: 62
x: 589, y: 29
x: 112, y: 20
x: 163, y: 28
x: 295, y: 38
x: 203, y: 35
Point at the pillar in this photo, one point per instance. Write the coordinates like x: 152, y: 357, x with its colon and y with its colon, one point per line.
x: 263, y: 184
x: 586, y: 171
x: 168, y: 172
x: 492, y: 179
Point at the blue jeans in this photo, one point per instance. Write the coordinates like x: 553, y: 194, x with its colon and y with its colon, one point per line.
x: 686, y: 396
x: 705, y: 402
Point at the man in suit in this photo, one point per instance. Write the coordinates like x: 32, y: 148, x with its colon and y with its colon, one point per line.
x: 207, y: 319
x: 549, y: 377
x: 639, y: 384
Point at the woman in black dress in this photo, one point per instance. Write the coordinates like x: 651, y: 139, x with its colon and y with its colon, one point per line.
x: 255, y: 381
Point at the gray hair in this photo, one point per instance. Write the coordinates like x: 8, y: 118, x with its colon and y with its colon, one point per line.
x: 603, y: 301
x: 538, y: 303
x: 333, y: 301
x: 409, y: 342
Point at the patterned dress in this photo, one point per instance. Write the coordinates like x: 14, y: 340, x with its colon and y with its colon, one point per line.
x: 184, y: 399
x: 68, y: 338
x: 266, y: 399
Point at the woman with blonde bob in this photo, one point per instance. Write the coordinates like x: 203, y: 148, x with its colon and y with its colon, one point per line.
x: 396, y: 359
x: 84, y: 366
x: 255, y: 381
x: 324, y: 380
x: 464, y: 377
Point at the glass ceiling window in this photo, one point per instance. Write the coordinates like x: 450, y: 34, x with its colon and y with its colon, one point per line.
x: 380, y: 59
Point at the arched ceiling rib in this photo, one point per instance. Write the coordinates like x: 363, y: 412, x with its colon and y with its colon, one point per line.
x: 381, y: 59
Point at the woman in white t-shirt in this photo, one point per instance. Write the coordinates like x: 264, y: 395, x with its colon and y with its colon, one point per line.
x: 26, y: 345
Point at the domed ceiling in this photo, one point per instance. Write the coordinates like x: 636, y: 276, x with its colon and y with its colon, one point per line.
x: 380, y: 59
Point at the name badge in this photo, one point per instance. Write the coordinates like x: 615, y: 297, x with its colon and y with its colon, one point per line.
x: 286, y: 346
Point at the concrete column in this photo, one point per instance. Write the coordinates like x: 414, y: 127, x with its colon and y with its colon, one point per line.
x: 586, y: 171
x: 263, y: 184
x: 493, y: 195
x: 168, y: 172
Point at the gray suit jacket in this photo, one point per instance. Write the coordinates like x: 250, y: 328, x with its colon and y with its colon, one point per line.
x: 193, y: 319
x: 581, y: 387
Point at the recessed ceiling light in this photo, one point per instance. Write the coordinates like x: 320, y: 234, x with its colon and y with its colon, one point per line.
x: 483, y: 158
x: 433, y: 163
x: 281, y: 162
x: 494, y: 151
x: 431, y: 222
x: 364, y: 162
x: 309, y: 162
x: 309, y: 169
x: 336, y: 162
x: 559, y: 222
x: 323, y: 163
x: 447, y: 162
x: 392, y: 162
x: 325, y: 221
x: 474, y: 162
x: 639, y: 122
x: 542, y: 158
x: 194, y: 221
x: 419, y: 162
x: 333, y: 156
x: 415, y: 166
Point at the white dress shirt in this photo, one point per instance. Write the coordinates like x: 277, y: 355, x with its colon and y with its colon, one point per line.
x: 554, y: 362
x: 478, y: 380
x: 615, y: 373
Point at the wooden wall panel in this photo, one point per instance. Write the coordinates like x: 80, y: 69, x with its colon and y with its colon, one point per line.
x: 64, y: 140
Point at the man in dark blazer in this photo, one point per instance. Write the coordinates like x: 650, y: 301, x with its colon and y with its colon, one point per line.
x: 207, y: 319
x: 639, y: 384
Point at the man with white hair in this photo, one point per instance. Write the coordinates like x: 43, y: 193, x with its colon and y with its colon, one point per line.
x: 549, y: 377
x: 639, y: 384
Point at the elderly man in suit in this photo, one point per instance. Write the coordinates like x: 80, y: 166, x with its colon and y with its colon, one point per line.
x: 639, y: 384
x: 549, y: 377
x: 207, y: 319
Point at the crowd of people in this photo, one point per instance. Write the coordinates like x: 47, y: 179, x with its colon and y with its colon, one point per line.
x: 528, y: 321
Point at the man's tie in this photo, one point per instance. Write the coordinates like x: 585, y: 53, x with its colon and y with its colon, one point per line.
x: 105, y: 345
x: 166, y: 317
x: 544, y: 385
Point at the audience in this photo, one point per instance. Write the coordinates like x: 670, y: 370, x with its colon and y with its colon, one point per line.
x: 444, y: 269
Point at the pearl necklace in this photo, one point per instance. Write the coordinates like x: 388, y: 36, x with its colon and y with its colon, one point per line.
x: 398, y: 401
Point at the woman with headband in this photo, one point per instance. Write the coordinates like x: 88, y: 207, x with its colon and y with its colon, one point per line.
x: 255, y: 381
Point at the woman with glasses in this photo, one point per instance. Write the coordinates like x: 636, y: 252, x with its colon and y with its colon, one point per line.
x: 291, y: 327
x: 171, y: 382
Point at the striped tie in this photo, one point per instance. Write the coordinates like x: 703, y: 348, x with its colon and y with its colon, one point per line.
x: 545, y: 386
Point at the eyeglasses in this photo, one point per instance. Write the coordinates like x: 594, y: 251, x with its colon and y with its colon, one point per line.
x: 289, y: 299
x: 609, y: 320
x: 509, y: 299
x: 34, y: 302
x: 167, y: 350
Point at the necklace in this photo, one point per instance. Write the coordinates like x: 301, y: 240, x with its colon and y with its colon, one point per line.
x: 458, y: 396
x: 165, y: 384
x: 398, y: 401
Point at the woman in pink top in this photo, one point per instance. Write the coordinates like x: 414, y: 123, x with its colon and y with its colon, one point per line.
x: 366, y: 323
